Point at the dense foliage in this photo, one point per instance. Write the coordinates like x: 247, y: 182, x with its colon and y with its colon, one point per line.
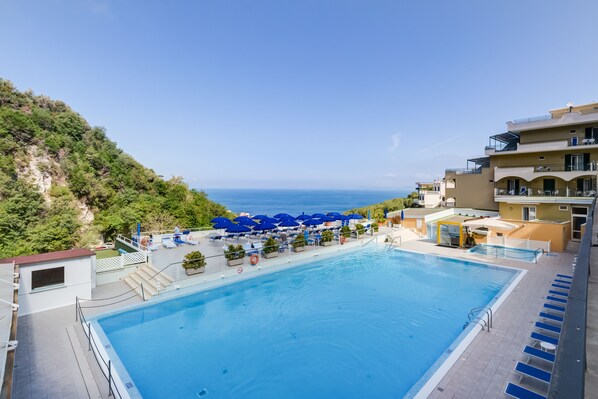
x: 64, y: 183
x: 377, y: 211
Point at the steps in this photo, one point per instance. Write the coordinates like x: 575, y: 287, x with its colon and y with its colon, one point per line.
x: 150, y: 278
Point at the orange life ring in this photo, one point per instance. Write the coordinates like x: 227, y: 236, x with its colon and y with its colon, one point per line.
x: 343, y: 239
x: 240, y: 270
x: 254, y: 259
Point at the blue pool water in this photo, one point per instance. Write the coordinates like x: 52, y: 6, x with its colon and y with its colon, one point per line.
x: 497, y: 251
x: 366, y: 324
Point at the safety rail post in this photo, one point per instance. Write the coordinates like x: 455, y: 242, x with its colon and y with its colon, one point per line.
x: 88, y: 336
x: 142, y: 292
x: 109, y: 377
x: 76, y: 308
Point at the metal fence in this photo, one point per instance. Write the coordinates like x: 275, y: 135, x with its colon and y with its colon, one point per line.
x: 568, y: 376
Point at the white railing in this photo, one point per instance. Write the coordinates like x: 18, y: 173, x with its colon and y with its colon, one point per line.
x: 119, y: 262
x: 519, y: 243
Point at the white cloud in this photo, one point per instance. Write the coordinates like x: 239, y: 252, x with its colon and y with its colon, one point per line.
x: 395, y: 142
x: 390, y: 175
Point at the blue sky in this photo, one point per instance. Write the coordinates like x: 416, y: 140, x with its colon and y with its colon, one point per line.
x: 303, y: 94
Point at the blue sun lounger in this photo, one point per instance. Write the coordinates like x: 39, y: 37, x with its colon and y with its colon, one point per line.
x: 553, y: 292
x: 561, y: 286
x: 565, y: 276
x: 515, y: 391
x: 562, y: 281
x: 548, y: 327
x: 551, y: 317
x: 539, y: 354
x: 554, y: 307
x: 541, y: 337
x: 555, y: 299
x: 533, y: 372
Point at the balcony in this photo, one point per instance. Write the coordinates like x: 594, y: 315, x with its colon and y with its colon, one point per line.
x: 533, y: 192
x: 562, y: 195
x: 561, y: 171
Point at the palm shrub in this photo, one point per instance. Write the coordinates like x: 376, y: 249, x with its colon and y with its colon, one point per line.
x: 194, y: 260
x: 234, y: 252
x: 345, y: 231
x: 327, y: 236
x: 299, y: 241
x: 271, y: 245
x: 360, y: 229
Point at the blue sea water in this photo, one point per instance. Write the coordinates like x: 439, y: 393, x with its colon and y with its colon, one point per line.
x: 366, y: 324
x: 294, y: 202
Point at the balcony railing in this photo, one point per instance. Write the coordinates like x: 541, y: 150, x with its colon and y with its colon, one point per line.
x: 590, y: 167
x: 534, y: 192
x: 532, y: 119
x: 464, y: 171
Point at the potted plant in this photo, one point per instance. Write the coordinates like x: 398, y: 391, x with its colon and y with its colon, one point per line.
x: 299, y: 243
x: 345, y: 232
x: 194, y: 263
x: 235, y: 255
x: 271, y: 247
x: 360, y: 229
x: 327, y: 237
x: 374, y: 228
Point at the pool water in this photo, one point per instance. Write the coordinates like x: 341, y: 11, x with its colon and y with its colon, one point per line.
x: 497, y: 251
x: 367, y: 324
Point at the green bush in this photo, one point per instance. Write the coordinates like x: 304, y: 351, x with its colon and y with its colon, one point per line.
x: 271, y: 245
x: 327, y: 236
x: 234, y: 252
x: 194, y: 260
x: 345, y: 231
x: 299, y: 241
x: 360, y: 229
x: 375, y: 226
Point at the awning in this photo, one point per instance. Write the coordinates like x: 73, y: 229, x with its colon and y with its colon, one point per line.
x: 489, y: 223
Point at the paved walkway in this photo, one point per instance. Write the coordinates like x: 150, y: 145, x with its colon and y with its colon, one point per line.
x: 47, y: 366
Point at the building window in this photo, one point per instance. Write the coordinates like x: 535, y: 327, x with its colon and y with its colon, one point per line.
x: 563, y: 208
x: 47, y: 278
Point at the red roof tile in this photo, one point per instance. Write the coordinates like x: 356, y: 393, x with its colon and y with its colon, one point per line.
x: 50, y: 256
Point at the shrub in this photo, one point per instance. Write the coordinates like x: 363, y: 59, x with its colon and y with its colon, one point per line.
x: 271, y: 245
x: 375, y: 227
x: 299, y: 241
x: 194, y: 260
x: 327, y: 236
x: 345, y: 231
x: 234, y: 252
x: 360, y: 229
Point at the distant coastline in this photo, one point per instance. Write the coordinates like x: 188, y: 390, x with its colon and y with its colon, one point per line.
x: 297, y: 201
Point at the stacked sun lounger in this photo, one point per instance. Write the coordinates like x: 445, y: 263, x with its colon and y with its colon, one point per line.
x: 546, y: 337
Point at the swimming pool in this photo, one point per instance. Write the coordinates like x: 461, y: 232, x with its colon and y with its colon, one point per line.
x: 364, y: 324
x: 497, y: 251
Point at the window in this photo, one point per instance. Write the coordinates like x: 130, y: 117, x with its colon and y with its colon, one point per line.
x: 529, y: 213
x: 563, y: 208
x: 47, y: 277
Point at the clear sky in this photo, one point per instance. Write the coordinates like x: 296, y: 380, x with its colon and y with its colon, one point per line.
x: 303, y: 94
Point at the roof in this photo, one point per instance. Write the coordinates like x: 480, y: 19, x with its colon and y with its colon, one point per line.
x: 414, y: 212
x: 49, y: 256
x: 455, y: 218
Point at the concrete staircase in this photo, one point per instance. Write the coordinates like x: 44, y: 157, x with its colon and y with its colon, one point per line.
x: 404, y: 233
x: 143, y: 276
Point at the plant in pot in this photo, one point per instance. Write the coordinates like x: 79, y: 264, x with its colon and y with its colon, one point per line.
x: 327, y: 237
x: 345, y: 232
x: 374, y: 228
x: 194, y: 263
x: 360, y: 229
x: 271, y: 247
x: 235, y: 255
x: 299, y: 243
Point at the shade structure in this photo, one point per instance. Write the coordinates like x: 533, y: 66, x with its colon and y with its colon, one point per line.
x: 219, y: 219
x: 237, y: 228
x: 313, y: 222
x: 288, y: 223
x: 333, y: 214
x: 283, y: 216
x: 489, y: 223
x: 303, y: 217
x: 241, y: 218
x: 328, y: 218
x: 223, y: 225
x: 355, y: 216
x: 264, y: 226
x: 247, y: 222
x: 269, y: 220
x: 259, y: 217
x: 317, y: 215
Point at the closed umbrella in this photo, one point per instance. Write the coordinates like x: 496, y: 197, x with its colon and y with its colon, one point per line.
x: 237, y: 228
x: 288, y: 223
x: 264, y: 226
x: 402, y: 214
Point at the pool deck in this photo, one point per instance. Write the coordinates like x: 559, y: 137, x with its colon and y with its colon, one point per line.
x: 52, y: 360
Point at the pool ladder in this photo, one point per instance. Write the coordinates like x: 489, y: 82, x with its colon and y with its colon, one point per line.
x: 389, y: 246
x: 484, y: 320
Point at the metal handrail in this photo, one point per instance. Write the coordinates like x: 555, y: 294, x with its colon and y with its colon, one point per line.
x: 489, y: 316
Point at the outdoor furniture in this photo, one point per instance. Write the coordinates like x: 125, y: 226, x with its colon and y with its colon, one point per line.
x: 554, y: 307
x: 250, y: 249
x: 555, y: 299
x: 515, y: 391
x: 189, y: 240
x: 167, y: 242
x: 538, y: 337
x: 565, y: 276
x: 533, y: 372
x: 539, y: 354
x: 553, y: 292
x: 548, y: 327
x: 561, y: 286
x: 551, y: 317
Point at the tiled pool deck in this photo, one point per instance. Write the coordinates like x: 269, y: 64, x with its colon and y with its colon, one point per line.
x: 52, y: 360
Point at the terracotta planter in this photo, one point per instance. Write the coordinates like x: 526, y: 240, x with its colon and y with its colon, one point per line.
x: 190, y: 272
x: 235, y: 262
x: 299, y: 249
x: 326, y: 243
x: 271, y: 255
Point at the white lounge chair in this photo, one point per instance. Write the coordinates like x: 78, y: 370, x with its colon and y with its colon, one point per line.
x: 189, y: 240
x: 167, y: 242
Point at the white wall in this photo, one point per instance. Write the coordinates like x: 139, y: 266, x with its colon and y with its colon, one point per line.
x: 77, y: 282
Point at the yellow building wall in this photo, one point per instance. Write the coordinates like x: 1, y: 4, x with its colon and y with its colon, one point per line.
x: 556, y: 133
x: 543, y: 212
x: 557, y: 233
x: 411, y: 223
x: 473, y: 190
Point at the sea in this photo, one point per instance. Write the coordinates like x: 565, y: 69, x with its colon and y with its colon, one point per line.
x: 296, y: 201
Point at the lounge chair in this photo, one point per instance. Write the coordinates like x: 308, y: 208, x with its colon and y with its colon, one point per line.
x: 539, y: 354
x: 554, y: 307
x: 515, y: 391
x: 555, y: 299
x: 178, y: 240
x: 553, y: 292
x: 548, y: 327
x: 565, y: 287
x: 565, y: 276
x: 167, y: 242
x: 541, y: 337
x: 556, y: 280
x: 250, y: 249
x: 533, y: 372
x: 189, y: 240
x: 551, y: 317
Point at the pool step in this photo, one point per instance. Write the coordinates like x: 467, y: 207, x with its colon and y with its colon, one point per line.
x: 150, y: 278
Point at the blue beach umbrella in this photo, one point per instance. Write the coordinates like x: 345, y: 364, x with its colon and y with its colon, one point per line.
x: 241, y: 218
x: 247, y: 222
x: 219, y: 219
x: 317, y: 215
x: 283, y: 216
x: 259, y: 217
x: 312, y: 222
x: 354, y: 216
x: 288, y: 223
x: 328, y: 218
x: 264, y: 226
x: 223, y: 225
x: 237, y: 228
x: 303, y: 217
x: 269, y: 220
x: 333, y: 214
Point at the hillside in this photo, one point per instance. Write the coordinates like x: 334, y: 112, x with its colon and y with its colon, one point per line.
x: 377, y: 210
x: 64, y: 183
